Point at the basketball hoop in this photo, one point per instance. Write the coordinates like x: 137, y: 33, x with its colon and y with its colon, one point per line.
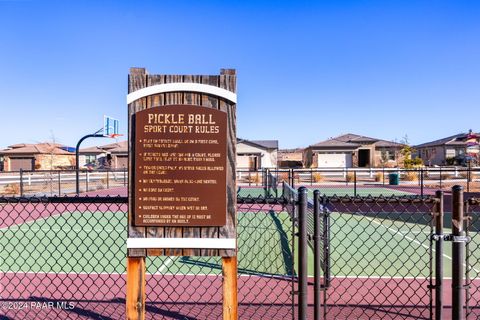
x: 114, y: 136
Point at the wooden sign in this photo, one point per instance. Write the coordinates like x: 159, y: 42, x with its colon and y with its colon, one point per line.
x: 159, y: 222
x: 180, y: 167
x: 182, y: 182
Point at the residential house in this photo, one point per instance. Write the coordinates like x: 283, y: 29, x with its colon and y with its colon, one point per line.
x: 39, y: 156
x: 352, y: 150
x: 290, y: 158
x: 446, y: 151
x: 256, y: 154
x: 113, y: 155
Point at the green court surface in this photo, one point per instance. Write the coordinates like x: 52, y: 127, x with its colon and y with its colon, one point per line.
x: 364, y: 246
x: 96, y: 243
x: 350, y: 191
x: 331, y: 191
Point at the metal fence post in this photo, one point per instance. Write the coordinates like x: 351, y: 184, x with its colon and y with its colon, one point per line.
x: 383, y: 175
x: 439, y: 256
x: 302, y: 253
x: 317, y: 255
x: 440, y: 177
x: 355, y: 183
x: 458, y: 252
x: 21, y: 182
x: 469, y: 175
x: 421, y: 182
x: 59, y: 184
x: 292, y: 176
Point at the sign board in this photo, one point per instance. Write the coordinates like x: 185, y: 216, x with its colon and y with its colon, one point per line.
x: 182, y: 182
x: 181, y: 178
x: 180, y: 166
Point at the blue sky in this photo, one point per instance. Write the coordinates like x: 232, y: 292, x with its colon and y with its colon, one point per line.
x: 307, y: 70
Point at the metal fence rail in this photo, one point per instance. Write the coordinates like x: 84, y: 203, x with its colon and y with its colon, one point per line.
x: 68, y: 256
x: 330, y: 181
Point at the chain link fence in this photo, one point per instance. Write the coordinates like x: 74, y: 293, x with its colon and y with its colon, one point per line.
x: 351, y: 257
x: 472, y: 272
x: 64, y: 258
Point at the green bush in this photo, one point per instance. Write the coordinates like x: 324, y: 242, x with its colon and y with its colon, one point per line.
x: 412, y: 163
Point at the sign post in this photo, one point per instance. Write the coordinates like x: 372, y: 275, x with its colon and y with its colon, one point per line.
x: 182, y: 187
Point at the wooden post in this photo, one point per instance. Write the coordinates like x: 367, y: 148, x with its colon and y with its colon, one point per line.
x: 230, y: 288
x: 135, y: 288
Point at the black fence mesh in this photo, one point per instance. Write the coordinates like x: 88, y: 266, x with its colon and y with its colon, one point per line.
x: 381, y: 258
x: 64, y: 258
x: 472, y: 270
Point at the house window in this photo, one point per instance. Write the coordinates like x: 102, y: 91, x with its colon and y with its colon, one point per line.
x: 388, y: 155
x: 90, y: 159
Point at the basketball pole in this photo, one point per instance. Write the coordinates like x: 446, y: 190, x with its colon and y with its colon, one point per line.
x: 77, y: 160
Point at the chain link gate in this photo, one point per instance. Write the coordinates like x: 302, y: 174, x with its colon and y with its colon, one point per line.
x: 472, y: 259
x: 373, y: 256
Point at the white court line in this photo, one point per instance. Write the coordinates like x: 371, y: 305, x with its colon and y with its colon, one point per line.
x: 398, y: 232
x: 165, y: 264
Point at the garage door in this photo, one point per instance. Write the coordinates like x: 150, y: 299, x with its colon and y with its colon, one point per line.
x: 21, y: 163
x: 335, y: 160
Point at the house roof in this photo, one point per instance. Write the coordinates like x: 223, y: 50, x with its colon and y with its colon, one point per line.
x: 95, y: 149
x: 38, y: 148
x: 353, y: 141
x: 457, y: 139
x: 117, y: 147
x: 266, y: 144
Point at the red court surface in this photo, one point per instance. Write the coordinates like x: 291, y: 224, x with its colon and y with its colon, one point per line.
x: 102, y: 296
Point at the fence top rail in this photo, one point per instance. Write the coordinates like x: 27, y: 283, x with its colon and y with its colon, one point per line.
x: 66, y: 199
x: 380, y: 199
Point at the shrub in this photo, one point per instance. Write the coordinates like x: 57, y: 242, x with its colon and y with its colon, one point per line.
x: 378, y: 176
x: 317, y: 177
x: 445, y: 176
x: 12, y: 188
x: 450, y: 161
x: 350, y: 177
x: 410, y: 176
x: 254, y: 178
x: 283, y: 176
x: 412, y: 163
